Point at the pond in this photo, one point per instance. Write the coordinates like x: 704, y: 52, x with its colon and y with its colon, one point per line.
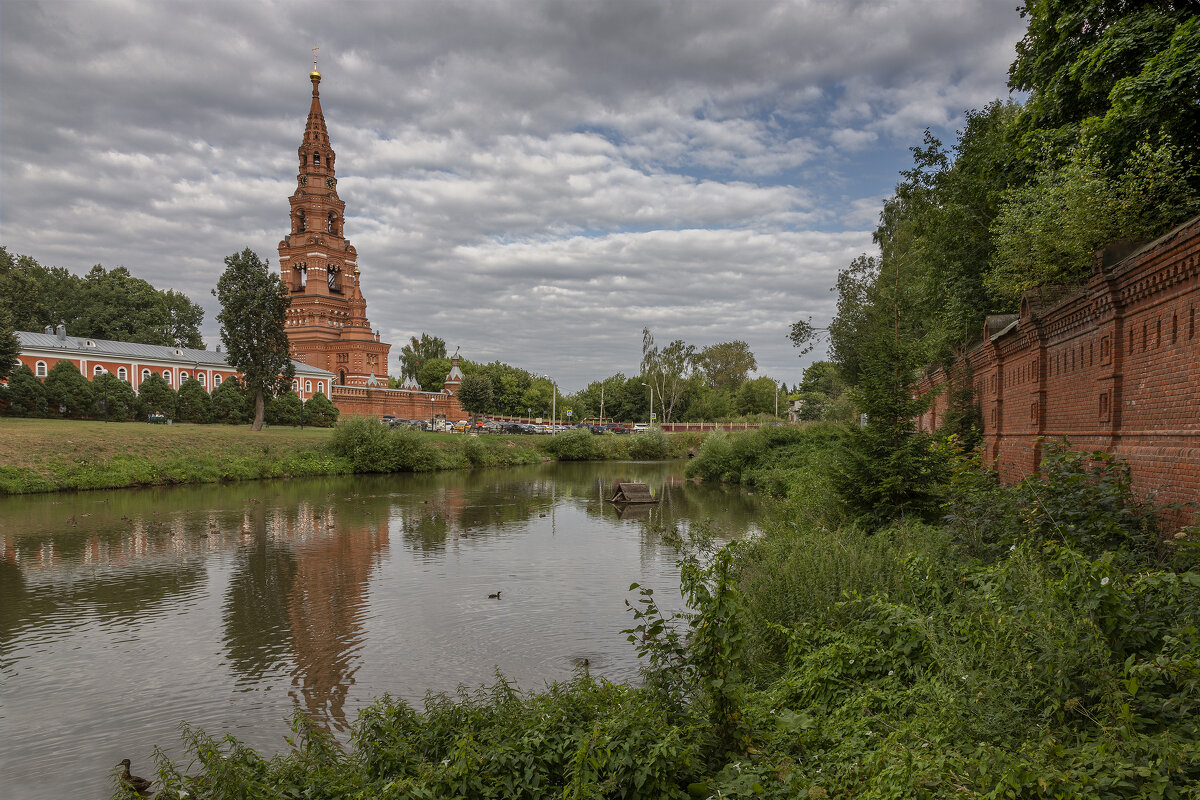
x: 124, y: 613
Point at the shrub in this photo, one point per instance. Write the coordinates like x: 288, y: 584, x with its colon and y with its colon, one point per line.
x: 117, y: 395
x: 412, y: 451
x: 68, y: 392
x: 320, y: 412
x: 365, y: 443
x: 649, y: 446
x: 230, y: 404
x: 156, y: 396
x: 26, y: 395
x: 193, y: 403
x: 283, y: 409
x: 573, y: 445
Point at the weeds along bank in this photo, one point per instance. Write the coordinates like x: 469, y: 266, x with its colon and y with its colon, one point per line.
x: 1040, y: 640
x: 52, y: 455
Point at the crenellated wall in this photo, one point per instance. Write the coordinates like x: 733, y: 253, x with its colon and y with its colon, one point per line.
x: 1112, y: 366
x: 400, y: 403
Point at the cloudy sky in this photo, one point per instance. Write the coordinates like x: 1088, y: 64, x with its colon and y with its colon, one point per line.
x: 532, y: 181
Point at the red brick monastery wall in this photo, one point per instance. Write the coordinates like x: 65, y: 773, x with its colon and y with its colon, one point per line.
x: 400, y: 403
x: 1113, y: 366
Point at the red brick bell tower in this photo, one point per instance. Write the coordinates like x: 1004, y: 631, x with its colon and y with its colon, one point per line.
x: 327, y: 323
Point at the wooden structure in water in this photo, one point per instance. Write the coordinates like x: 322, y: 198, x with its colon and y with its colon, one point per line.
x: 627, y: 492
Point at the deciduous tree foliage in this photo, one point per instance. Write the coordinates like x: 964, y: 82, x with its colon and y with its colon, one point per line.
x: 1104, y: 149
x: 475, y: 393
x: 104, y: 304
x: 10, y: 347
x: 432, y: 374
x: 726, y: 365
x: 667, y: 370
x: 418, y: 352
x: 254, y: 305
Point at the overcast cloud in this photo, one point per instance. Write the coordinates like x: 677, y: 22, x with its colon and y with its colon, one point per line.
x: 532, y: 181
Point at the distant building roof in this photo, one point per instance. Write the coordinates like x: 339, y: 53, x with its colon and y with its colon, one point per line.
x: 86, y: 346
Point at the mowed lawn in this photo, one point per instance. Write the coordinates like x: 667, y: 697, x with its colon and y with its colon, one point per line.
x: 35, y: 443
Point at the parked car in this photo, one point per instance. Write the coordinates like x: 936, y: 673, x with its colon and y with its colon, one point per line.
x: 640, y: 427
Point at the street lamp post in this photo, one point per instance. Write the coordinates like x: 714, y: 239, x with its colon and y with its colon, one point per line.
x: 105, y: 374
x: 553, y: 404
x: 431, y: 412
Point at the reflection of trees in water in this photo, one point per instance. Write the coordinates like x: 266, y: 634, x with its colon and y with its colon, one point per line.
x: 490, y: 501
x: 116, y: 588
x: 257, y: 630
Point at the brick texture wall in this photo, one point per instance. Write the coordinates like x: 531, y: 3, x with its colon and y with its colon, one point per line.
x: 1112, y: 366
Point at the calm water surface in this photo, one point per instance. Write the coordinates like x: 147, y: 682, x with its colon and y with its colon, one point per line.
x: 124, y: 613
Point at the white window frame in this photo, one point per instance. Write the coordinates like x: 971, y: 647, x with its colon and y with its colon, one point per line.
x: 146, y: 373
x: 166, y: 373
x: 200, y: 377
x: 39, y: 369
x: 308, y: 386
x: 122, y: 374
x: 216, y: 381
x: 97, y: 371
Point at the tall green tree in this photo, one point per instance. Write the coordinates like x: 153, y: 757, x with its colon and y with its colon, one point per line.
x: 103, y: 304
x: 475, y: 394
x: 254, y: 304
x: 726, y: 365
x: 432, y: 374
x: 10, y: 346
x: 418, y: 352
x: 667, y: 370
x: 758, y: 396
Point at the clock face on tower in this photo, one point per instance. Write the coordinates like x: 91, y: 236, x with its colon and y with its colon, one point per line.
x: 330, y: 182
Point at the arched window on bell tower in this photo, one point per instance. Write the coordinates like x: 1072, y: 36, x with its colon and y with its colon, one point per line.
x: 332, y: 223
x: 300, y: 221
x: 316, y: 159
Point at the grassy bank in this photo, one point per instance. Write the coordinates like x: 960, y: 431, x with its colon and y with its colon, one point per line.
x: 1040, y: 641
x: 42, y: 455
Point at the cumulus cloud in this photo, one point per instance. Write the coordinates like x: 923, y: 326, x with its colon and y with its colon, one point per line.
x: 534, y: 181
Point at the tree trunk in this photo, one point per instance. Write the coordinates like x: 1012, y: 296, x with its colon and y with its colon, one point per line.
x: 259, y: 408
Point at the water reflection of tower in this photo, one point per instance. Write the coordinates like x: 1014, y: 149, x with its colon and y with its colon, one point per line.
x: 297, y: 598
x: 327, y: 605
